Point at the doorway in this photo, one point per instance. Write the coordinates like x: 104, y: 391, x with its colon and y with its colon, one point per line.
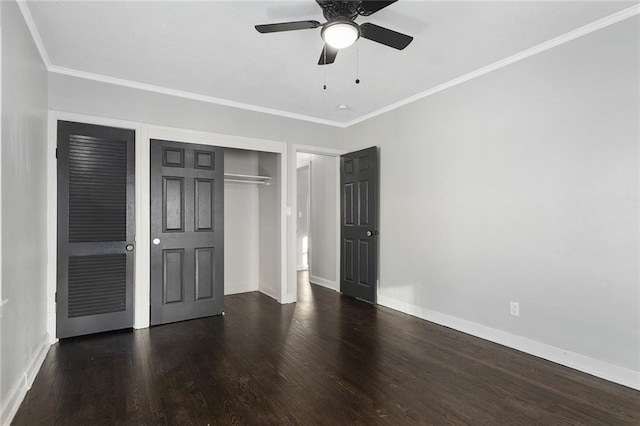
x: 317, y: 225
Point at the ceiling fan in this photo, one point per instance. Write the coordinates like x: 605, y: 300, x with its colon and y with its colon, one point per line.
x: 340, y: 30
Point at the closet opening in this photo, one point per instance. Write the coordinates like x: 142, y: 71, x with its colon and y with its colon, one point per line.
x: 252, y: 226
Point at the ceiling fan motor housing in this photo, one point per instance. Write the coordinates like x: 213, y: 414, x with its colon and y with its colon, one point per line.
x: 334, y: 10
x: 340, y: 30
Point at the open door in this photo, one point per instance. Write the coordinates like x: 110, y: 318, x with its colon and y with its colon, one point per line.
x: 96, y: 229
x: 358, y: 224
x: 187, y: 231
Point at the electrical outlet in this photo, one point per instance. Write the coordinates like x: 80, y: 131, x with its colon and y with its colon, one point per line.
x: 515, y: 309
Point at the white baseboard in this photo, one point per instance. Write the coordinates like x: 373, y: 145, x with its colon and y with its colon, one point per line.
x: 271, y: 292
x: 11, y: 402
x: 239, y: 288
x: 604, y: 370
x: 323, y: 282
x: 288, y: 299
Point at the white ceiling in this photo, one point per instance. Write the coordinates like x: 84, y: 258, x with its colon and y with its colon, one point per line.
x: 211, y: 48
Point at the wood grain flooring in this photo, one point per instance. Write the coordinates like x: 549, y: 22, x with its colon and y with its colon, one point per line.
x: 328, y: 360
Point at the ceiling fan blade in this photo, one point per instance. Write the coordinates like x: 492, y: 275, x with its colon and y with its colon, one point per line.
x: 369, y: 7
x: 287, y: 26
x: 328, y: 55
x: 385, y: 36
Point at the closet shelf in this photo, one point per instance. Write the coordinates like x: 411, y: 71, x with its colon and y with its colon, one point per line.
x: 233, y: 177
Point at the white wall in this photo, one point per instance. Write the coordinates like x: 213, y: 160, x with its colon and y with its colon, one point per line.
x: 302, y: 222
x: 522, y: 185
x: 322, y: 221
x: 241, y: 220
x: 23, y: 328
x: 269, y: 232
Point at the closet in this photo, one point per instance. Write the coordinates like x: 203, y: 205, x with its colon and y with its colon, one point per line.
x: 252, y: 234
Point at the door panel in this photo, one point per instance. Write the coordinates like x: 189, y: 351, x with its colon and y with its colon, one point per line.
x: 95, y: 224
x: 359, y: 215
x: 187, y: 264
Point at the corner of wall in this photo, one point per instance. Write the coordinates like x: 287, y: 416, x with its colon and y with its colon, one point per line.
x: 11, y: 402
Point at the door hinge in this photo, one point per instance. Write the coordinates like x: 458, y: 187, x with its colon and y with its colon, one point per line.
x: 55, y: 298
x: 56, y: 152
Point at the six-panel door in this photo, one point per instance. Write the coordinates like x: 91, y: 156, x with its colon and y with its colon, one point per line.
x: 358, y: 230
x: 187, y: 248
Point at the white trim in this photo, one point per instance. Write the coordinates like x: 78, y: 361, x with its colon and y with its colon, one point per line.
x: 222, y: 140
x: 14, y: 397
x: 572, y: 35
x: 339, y: 225
x: 323, y: 282
x: 189, y: 95
x: 33, y: 29
x: 142, y: 280
x: 271, y: 293
x: 52, y: 226
x: 595, y: 367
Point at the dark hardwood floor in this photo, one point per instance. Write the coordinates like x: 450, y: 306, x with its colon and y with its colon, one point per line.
x: 325, y: 360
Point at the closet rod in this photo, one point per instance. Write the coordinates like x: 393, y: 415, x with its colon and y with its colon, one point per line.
x: 257, y: 182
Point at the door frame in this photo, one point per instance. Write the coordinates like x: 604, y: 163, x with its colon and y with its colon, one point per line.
x: 292, y: 296
x: 144, y: 133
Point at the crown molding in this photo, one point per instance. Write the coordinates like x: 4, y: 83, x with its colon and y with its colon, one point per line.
x: 542, y: 47
x: 188, y: 95
x: 28, y: 18
x: 33, y: 29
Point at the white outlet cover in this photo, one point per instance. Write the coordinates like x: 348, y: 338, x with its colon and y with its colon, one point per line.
x: 515, y: 309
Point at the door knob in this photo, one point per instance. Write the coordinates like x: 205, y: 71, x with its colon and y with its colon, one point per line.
x: 369, y: 233
x: 129, y: 247
x: 156, y: 241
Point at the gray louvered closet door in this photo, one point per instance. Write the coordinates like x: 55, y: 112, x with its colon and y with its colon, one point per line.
x: 95, y: 229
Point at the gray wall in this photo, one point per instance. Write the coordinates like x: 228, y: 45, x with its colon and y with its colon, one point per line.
x: 322, y: 221
x: 70, y: 94
x: 23, y: 325
x: 521, y: 185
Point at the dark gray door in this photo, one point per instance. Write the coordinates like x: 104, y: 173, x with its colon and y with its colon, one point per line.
x: 187, y: 233
x: 95, y: 229
x: 359, y: 221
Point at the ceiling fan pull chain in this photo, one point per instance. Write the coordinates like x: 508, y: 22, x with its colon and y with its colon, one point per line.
x: 325, y: 68
x: 357, y: 63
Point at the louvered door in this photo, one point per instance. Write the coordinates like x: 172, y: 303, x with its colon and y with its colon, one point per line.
x: 95, y: 229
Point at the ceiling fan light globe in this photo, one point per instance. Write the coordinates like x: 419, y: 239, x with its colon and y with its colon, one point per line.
x: 341, y: 34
